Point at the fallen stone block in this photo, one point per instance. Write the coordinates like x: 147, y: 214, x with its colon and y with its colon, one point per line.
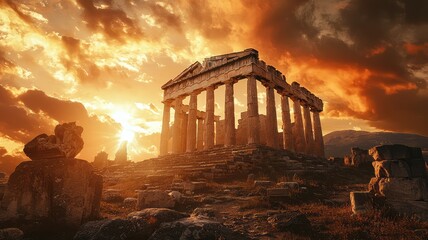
x: 391, y: 168
x: 361, y: 202
x: 403, y: 188
x: 154, y: 199
x: 394, y: 152
x: 194, y: 186
x: 130, y: 202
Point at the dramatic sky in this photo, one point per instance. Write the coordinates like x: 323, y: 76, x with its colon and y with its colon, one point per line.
x: 102, y: 63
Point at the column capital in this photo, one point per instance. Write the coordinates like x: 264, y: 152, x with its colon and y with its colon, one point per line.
x: 231, y: 81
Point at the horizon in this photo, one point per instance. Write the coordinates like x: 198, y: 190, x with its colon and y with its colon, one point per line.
x: 102, y: 66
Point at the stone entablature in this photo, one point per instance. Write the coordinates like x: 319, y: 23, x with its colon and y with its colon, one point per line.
x: 195, y: 130
x: 218, y: 70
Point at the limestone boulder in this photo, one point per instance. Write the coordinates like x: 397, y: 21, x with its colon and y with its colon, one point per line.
x: 411, y: 189
x: 195, y: 228
x: 391, y: 168
x: 154, y: 199
x: 65, y: 191
x: 66, y: 143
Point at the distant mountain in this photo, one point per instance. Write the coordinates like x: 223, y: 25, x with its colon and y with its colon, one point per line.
x: 339, y: 143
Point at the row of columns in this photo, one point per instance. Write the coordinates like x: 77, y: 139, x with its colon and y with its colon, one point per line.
x: 191, y: 136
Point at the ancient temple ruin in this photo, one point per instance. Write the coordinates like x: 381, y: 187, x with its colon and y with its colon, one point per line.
x: 194, y: 130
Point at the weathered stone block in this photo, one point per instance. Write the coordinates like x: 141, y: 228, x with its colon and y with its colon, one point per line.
x: 154, y: 199
x: 194, y: 186
x: 396, y: 151
x: 361, y: 202
x: 64, y: 191
x: 403, y: 188
x: 391, y: 168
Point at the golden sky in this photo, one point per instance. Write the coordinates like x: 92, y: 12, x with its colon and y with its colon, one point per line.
x: 102, y: 63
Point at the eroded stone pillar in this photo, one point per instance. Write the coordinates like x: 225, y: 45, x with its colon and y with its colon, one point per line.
x: 271, y: 121
x: 176, y: 132
x: 184, y: 118
x: 201, y: 126
x: 191, y: 123
x: 286, y: 123
x: 309, y: 136
x: 229, y: 115
x: 319, y: 141
x: 209, y: 119
x: 163, y: 149
x: 298, y: 126
x: 252, y: 111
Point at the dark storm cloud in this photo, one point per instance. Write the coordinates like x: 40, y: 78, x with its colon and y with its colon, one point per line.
x: 60, y: 110
x: 366, y: 34
x: 15, y: 122
x: 113, y: 22
x: 20, y: 124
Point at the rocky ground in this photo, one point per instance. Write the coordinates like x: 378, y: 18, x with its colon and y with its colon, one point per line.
x: 319, y: 210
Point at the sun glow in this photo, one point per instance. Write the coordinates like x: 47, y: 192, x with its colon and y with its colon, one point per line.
x: 127, y: 132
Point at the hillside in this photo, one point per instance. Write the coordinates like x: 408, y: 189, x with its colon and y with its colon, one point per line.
x: 339, y: 143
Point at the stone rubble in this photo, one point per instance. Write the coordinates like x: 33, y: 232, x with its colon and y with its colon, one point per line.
x: 400, y: 177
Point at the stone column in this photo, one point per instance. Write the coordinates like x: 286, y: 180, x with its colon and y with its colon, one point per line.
x: 286, y: 123
x: 309, y: 136
x: 176, y: 132
x: 229, y: 115
x: 252, y: 111
x: 201, y: 126
x: 165, y: 129
x: 184, y: 118
x: 271, y: 121
x: 209, y: 120
x: 319, y: 141
x: 191, y: 123
x: 298, y: 127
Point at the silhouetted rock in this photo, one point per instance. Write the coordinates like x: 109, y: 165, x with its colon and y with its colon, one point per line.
x: 65, y: 192
x: 101, y: 160
x: 11, y: 234
x: 294, y: 221
x: 66, y: 143
x: 194, y: 228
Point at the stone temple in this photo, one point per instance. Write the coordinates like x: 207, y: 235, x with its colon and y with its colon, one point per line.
x: 197, y: 130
